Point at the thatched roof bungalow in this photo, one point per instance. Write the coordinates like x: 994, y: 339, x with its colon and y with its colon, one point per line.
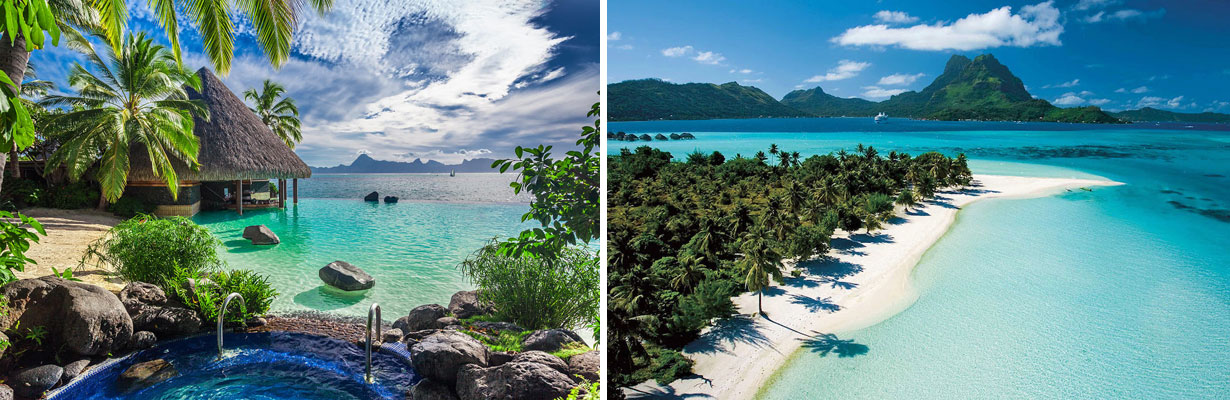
x: 237, y: 151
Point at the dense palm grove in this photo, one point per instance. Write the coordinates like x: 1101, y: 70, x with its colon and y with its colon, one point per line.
x: 686, y: 236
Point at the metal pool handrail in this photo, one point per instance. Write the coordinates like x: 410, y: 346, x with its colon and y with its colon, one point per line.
x: 222, y: 314
x: 375, y: 308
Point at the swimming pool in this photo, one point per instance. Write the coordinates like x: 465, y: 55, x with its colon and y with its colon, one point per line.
x: 267, y: 365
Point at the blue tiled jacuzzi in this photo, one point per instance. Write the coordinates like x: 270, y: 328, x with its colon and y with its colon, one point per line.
x: 267, y: 365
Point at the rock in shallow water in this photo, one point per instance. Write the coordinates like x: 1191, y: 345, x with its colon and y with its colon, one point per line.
x: 145, y: 374
x: 390, y: 199
x: 373, y: 196
x: 33, y: 382
x: 260, y: 235
x: 343, y: 275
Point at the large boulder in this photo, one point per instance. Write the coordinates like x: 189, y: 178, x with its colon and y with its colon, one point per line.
x: 539, y: 357
x: 393, y: 335
x: 426, y: 316
x: 167, y: 321
x: 465, y: 304
x: 587, y: 365
x: 137, y: 296
x: 439, y: 356
x: 146, y: 374
x: 390, y: 199
x: 550, y: 340
x: 33, y: 382
x: 6, y: 392
x: 260, y: 235
x: 78, y: 317
x: 342, y: 275
x: 514, y: 380
x: 373, y: 196
x: 428, y: 389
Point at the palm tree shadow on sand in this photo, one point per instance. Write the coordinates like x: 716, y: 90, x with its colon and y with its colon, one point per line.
x: 828, y: 343
x: 733, y: 331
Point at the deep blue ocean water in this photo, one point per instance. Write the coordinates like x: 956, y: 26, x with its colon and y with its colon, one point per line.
x: 1123, y: 292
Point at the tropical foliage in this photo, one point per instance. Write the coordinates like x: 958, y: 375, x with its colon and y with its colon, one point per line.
x: 134, y: 96
x: 31, y: 22
x: 537, y: 293
x: 566, y: 193
x: 149, y: 249
x: 685, y: 236
x: 276, y: 111
x: 16, y: 233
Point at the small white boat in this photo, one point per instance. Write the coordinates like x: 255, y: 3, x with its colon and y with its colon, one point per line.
x: 881, y: 118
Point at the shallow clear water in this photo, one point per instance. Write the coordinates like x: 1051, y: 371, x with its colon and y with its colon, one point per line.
x: 1123, y: 292
x: 411, y: 248
x: 265, y: 366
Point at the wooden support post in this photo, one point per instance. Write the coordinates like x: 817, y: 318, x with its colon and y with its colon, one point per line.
x: 296, y: 190
x: 282, y: 193
x: 239, y: 196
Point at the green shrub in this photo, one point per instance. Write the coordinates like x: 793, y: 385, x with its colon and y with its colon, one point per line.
x: 149, y: 249
x: 212, y: 290
x: 537, y: 293
x: 23, y: 192
x: 16, y: 233
x: 129, y: 207
x: 71, y: 196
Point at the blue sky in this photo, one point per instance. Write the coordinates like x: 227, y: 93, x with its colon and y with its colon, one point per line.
x: 1118, y: 54
x: 433, y: 79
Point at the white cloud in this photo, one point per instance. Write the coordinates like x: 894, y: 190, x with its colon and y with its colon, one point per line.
x: 744, y: 71
x: 895, y: 17
x: 1067, y: 84
x: 1086, y: 93
x: 677, y: 51
x: 1120, y: 90
x: 613, y: 36
x: 1099, y: 102
x: 1068, y: 99
x: 1124, y: 15
x: 709, y: 57
x: 1034, y: 25
x: 1175, y: 102
x: 1094, y: 4
x: 1140, y: 90
x: 746, y: 81
x: 447, y: 157
x: 875, y: 92
x: 1154, y: 101
x: 624, y: 47
x: 900, y: 79
x: 845, y: 69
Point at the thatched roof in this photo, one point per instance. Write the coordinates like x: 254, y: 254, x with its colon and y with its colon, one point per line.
x: 235, y: 144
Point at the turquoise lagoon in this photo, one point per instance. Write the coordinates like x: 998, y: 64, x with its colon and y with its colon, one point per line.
x: 411, y: 248
x: 1123, y: 292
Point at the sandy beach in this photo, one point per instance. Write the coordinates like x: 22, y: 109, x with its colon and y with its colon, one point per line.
x: 865, y: 280
x: 69, y: 232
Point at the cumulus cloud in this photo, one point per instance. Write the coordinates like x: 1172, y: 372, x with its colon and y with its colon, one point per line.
x: 845, y: 69
x: 875, y: 92
x: 895, y: 17
x: 1121, y: 90
x: 1140, y: 90
x: 744, y: 71
x: 709, y: 57
x: 447, y: 157
x: 1067, y: 84
x: 677, y: 51
x: 1154, y: 101
x: 1034, y: 25
x: 900, y: 79
x: 1074, y: 99
x: 1099, y: 102
x: 613, y: 36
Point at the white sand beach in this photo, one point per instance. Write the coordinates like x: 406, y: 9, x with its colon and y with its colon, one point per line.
x: 866, y: 280
x: 69, y: 232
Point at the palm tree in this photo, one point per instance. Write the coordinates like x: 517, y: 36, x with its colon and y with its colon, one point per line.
x: 135, y: 96
x: 759, y: 262
x: 691, y: 272
x: 906, y: 199
x: 280, y: 115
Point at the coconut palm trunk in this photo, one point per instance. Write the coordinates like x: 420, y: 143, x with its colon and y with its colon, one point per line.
x: 13, y: 59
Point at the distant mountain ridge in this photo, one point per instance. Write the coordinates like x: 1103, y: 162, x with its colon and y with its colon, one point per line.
x: 657, y: 99
x: 365, y: 164
x: 1149, y: 114
x: 978, y: 89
